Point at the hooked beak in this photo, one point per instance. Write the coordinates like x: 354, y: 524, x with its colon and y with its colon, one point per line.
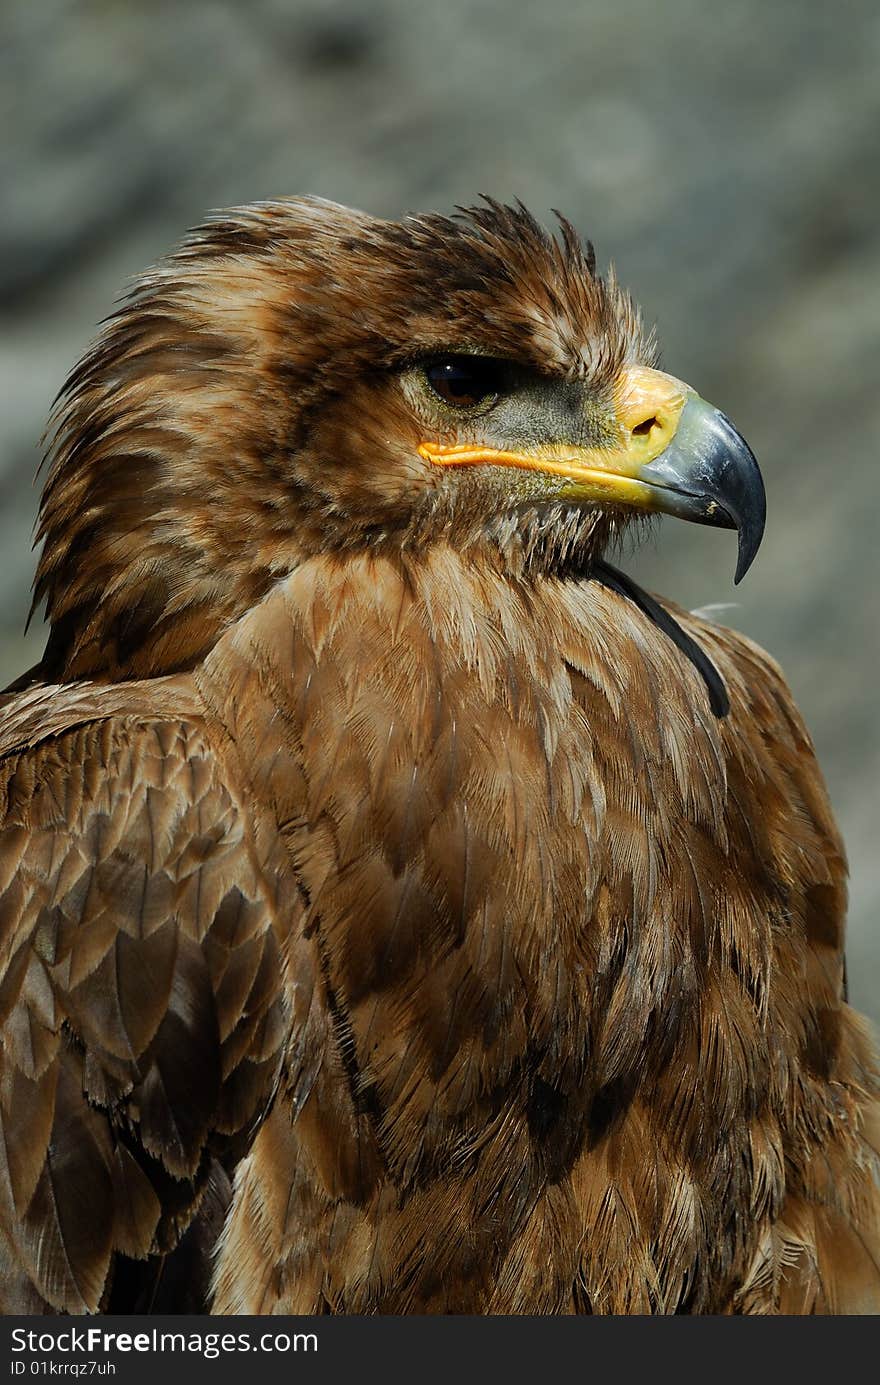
x: 676, y: 455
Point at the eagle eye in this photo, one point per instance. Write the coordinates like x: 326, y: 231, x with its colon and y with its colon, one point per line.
x: 463, y: 382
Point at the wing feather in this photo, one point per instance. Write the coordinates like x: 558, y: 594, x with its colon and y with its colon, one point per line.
x: 142, y: 1012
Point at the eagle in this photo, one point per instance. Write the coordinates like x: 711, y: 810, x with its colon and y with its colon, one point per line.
x: 401, y: 911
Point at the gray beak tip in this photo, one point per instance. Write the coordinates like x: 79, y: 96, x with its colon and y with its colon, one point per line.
x: 709, y: 474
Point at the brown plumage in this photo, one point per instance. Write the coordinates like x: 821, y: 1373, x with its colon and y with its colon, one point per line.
x: 391, y: 918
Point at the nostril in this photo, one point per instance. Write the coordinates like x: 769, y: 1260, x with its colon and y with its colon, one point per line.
x: 642, y: 430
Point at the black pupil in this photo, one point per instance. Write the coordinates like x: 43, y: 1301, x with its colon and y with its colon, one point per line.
x: 463, y: 381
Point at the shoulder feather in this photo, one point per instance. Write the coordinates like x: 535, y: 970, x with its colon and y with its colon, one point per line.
x: 141, y: 1006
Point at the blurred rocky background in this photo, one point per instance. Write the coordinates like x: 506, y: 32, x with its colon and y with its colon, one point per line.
x: 723, y: 154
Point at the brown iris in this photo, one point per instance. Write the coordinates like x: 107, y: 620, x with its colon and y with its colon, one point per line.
x: 463, y: 382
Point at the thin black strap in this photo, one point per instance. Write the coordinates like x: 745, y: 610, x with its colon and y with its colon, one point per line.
x: 618, y: 582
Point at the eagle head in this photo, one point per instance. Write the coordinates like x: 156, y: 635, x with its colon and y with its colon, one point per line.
x: 297, y: 377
